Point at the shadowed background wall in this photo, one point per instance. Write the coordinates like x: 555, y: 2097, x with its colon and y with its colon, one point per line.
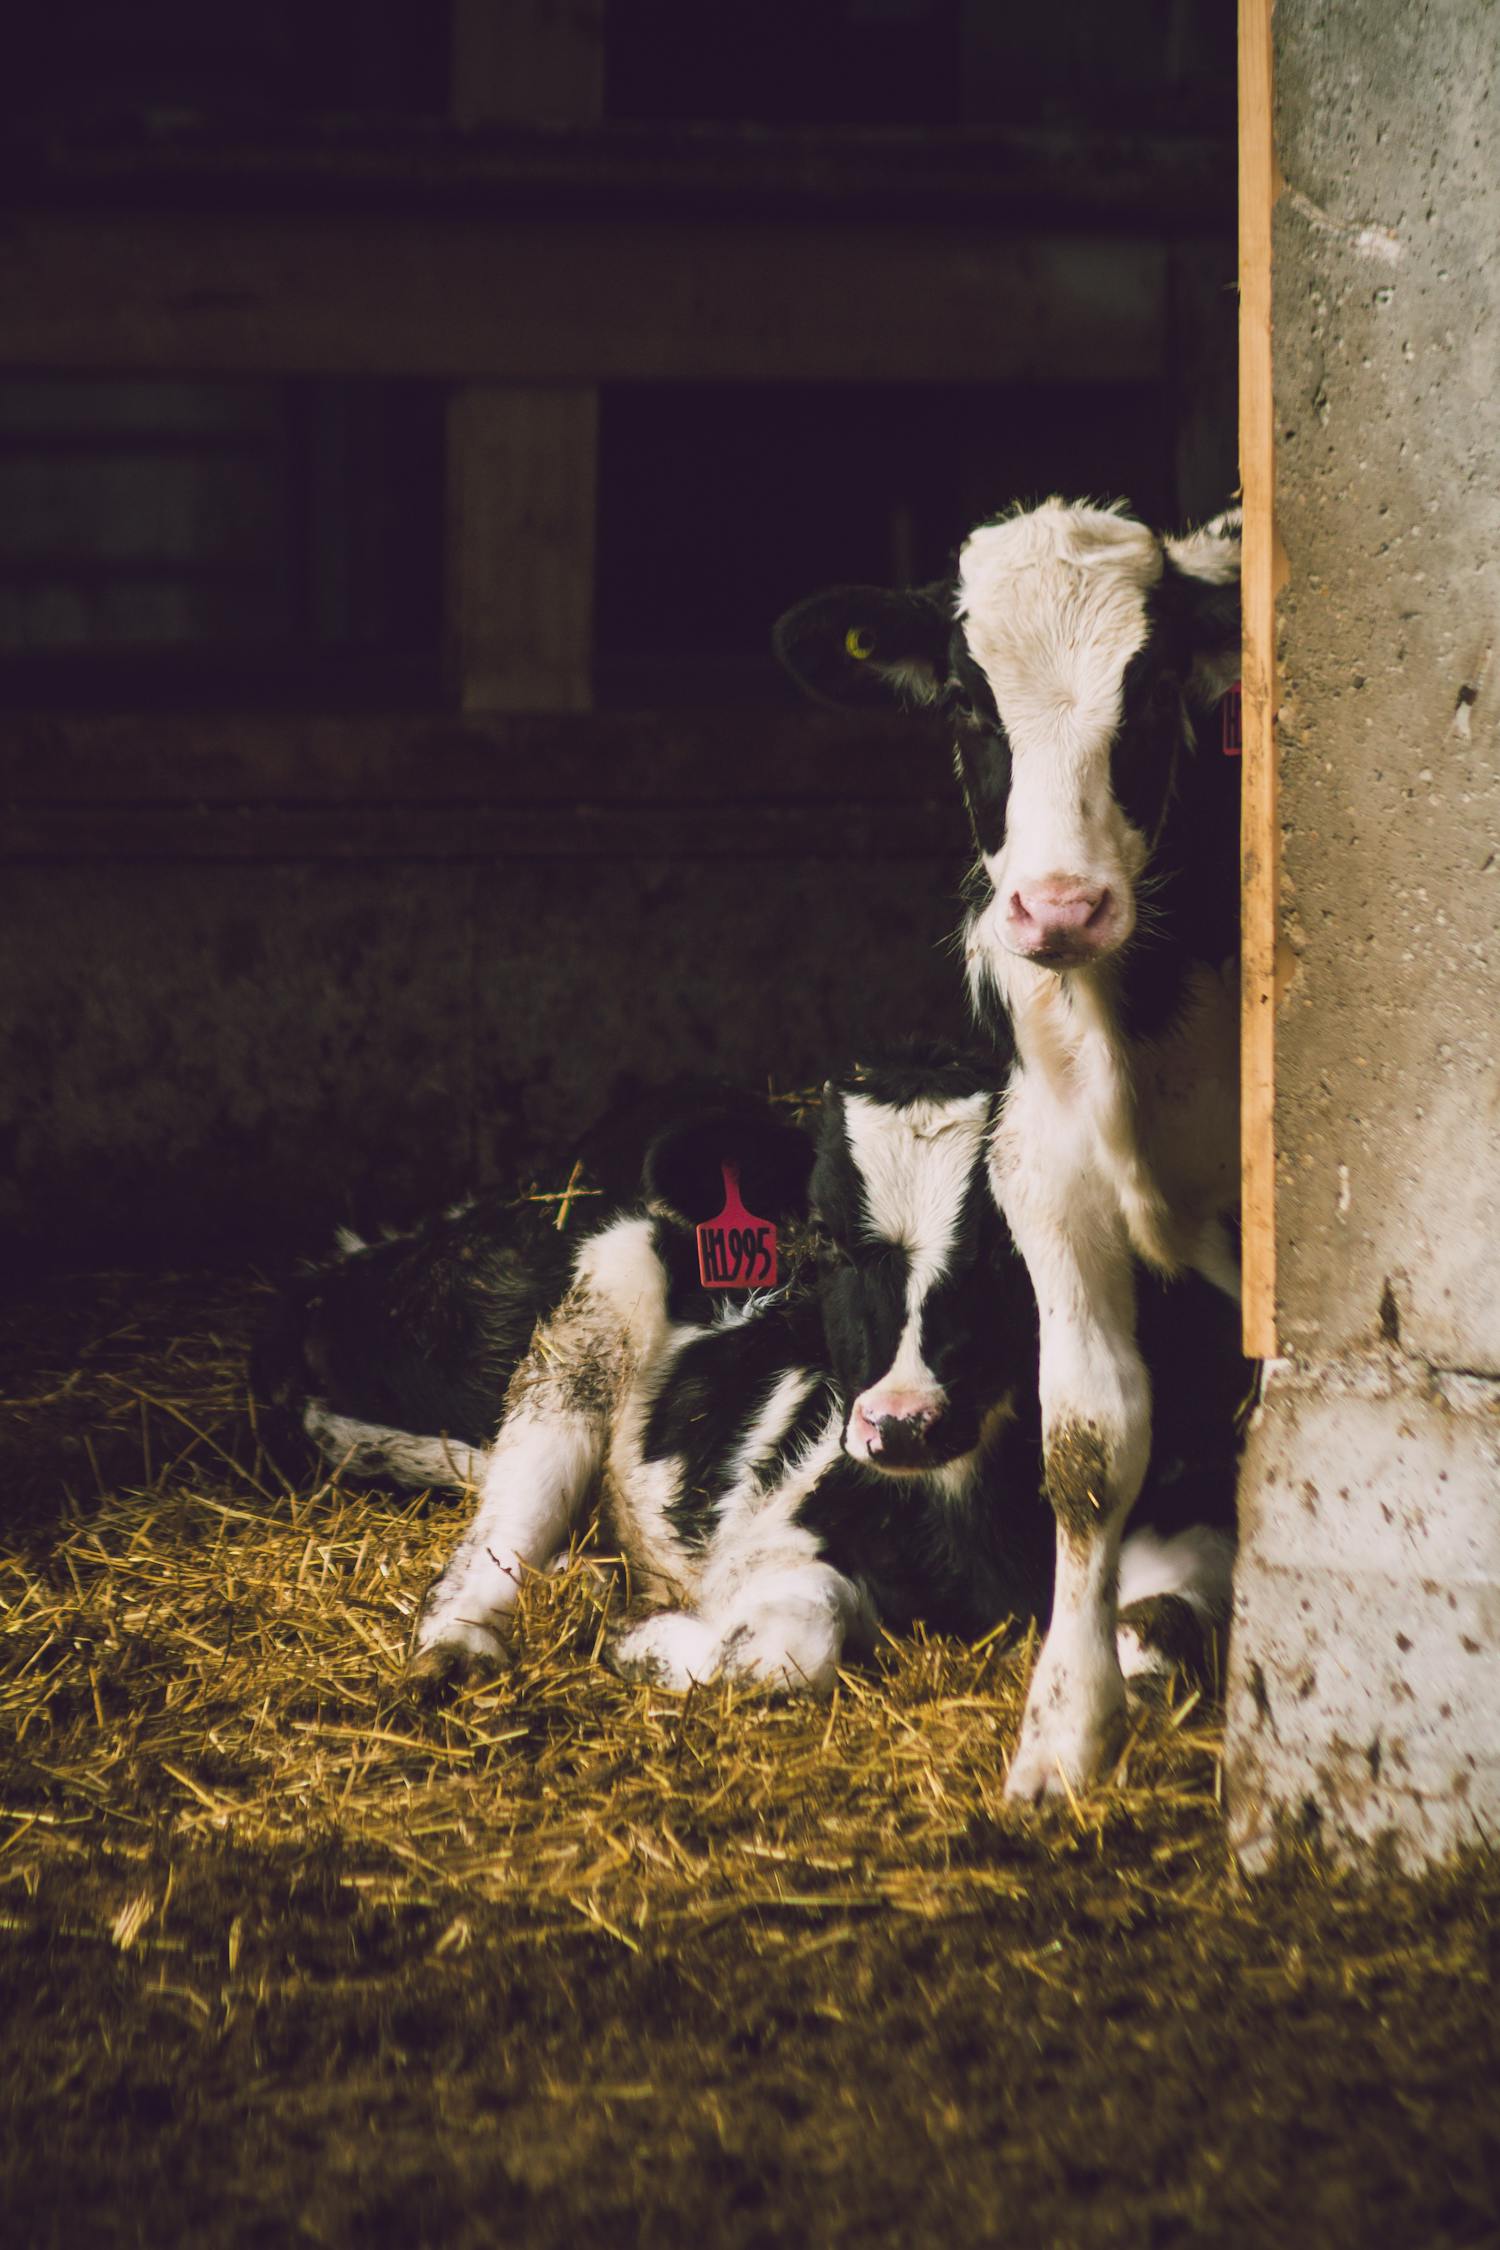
x: 411, y: 420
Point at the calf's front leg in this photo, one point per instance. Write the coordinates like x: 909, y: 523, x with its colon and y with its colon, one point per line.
x: 536, y: 1478
x: 1096, y: 1438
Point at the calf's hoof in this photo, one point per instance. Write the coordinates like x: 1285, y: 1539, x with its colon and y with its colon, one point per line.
x: 453, y: 1657
x: 670, y: 1650
x: 1161, y: 1636
x: 1062, y: 1752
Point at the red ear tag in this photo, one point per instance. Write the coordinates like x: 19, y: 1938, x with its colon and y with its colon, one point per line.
x: 1232, y: 740
x: 736, y: 1250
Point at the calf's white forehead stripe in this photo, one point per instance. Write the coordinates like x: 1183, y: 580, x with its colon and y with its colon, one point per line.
x: 915, y: 1165
x: 1054, y: 607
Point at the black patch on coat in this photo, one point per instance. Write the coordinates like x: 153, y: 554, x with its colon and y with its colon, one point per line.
x: 715, y: 1388
x: 1184, y: 795
x: 981, y: 746
x: 1189, y: 1335
x: 422, y: 1331
x: 956, y: 1566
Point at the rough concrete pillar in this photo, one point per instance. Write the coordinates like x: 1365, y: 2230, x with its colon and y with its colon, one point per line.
x: 1365, y: 1674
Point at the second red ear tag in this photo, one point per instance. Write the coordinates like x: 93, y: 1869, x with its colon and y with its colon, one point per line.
x: 1233, y: 736
x: 736, y: 1250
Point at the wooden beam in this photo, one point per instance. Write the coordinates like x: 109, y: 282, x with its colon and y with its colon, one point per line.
x: 463, y: 297
x: 1174, y: 185
x: 656, y: 786
x: 92, y: 763
x: 1260, y: 853
x: 497, y: 830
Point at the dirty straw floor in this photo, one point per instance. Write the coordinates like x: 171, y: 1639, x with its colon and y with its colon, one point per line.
x: 288, y: 1957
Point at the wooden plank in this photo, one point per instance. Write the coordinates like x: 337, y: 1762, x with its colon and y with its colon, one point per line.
x: 573, y: 301
x: 1169, y: 184
x: 519, y: 532
x: 730, y: 759
x: 522, y: 464
x: 798, y: 784
x: 1260, y: 856
x: 931, y: 829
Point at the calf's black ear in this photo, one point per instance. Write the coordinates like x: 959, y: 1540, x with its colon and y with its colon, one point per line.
x: 860, y: 646
x: 684, y: 1166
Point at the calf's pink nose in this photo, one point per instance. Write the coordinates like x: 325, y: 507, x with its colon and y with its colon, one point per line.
x: 1080, y: 915
x: 892, y: 1422
x: 1059, y: 906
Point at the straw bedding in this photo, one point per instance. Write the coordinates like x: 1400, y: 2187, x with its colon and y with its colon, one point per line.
x: 291, y: 1955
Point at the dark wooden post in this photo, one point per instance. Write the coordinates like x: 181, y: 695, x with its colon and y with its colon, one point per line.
x: 521, y: 480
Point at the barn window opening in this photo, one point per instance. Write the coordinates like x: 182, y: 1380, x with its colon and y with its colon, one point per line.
x: 253, y: 540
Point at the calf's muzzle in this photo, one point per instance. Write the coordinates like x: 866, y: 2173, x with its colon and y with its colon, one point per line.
x: 1062, y: 920
x: 895, y: 1429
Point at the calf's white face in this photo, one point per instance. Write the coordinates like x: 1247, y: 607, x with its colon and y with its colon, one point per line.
x: 915, y: 1165
x: 1053, y: 606
x: 1068, y: 652
x: 918, y: 1312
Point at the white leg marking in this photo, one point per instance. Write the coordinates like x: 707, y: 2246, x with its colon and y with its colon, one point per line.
x: 1096, y: 1423
x: 551, y: 1444
x: 371, y: 1449
x: 1076, y: 1707
x: 787, y: 1628
x: 783, y: 1628
x: 535, y: 1481
x: 671, y: 1650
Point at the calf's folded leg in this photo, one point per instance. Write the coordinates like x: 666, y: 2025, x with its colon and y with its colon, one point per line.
x: 783, y: 1627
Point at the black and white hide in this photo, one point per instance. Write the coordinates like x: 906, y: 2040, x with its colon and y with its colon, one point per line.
x: 1083, y: 661
x: 416, y: 1332
x: 787, y: 1471
x: 393, y: 1356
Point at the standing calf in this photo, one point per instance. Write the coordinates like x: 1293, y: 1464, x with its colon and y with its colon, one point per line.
x: 1082, y: 659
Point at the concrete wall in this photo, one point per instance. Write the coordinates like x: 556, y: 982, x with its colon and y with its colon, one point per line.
x: 1367, y: 1660
x: 199, y: 1061
x: 258, y: 977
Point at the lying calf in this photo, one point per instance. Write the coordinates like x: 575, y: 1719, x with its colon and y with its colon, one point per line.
x: 784, y: 1472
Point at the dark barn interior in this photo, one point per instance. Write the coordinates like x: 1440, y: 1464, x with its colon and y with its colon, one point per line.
x: 413, y: 417
x: 411, y: 422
